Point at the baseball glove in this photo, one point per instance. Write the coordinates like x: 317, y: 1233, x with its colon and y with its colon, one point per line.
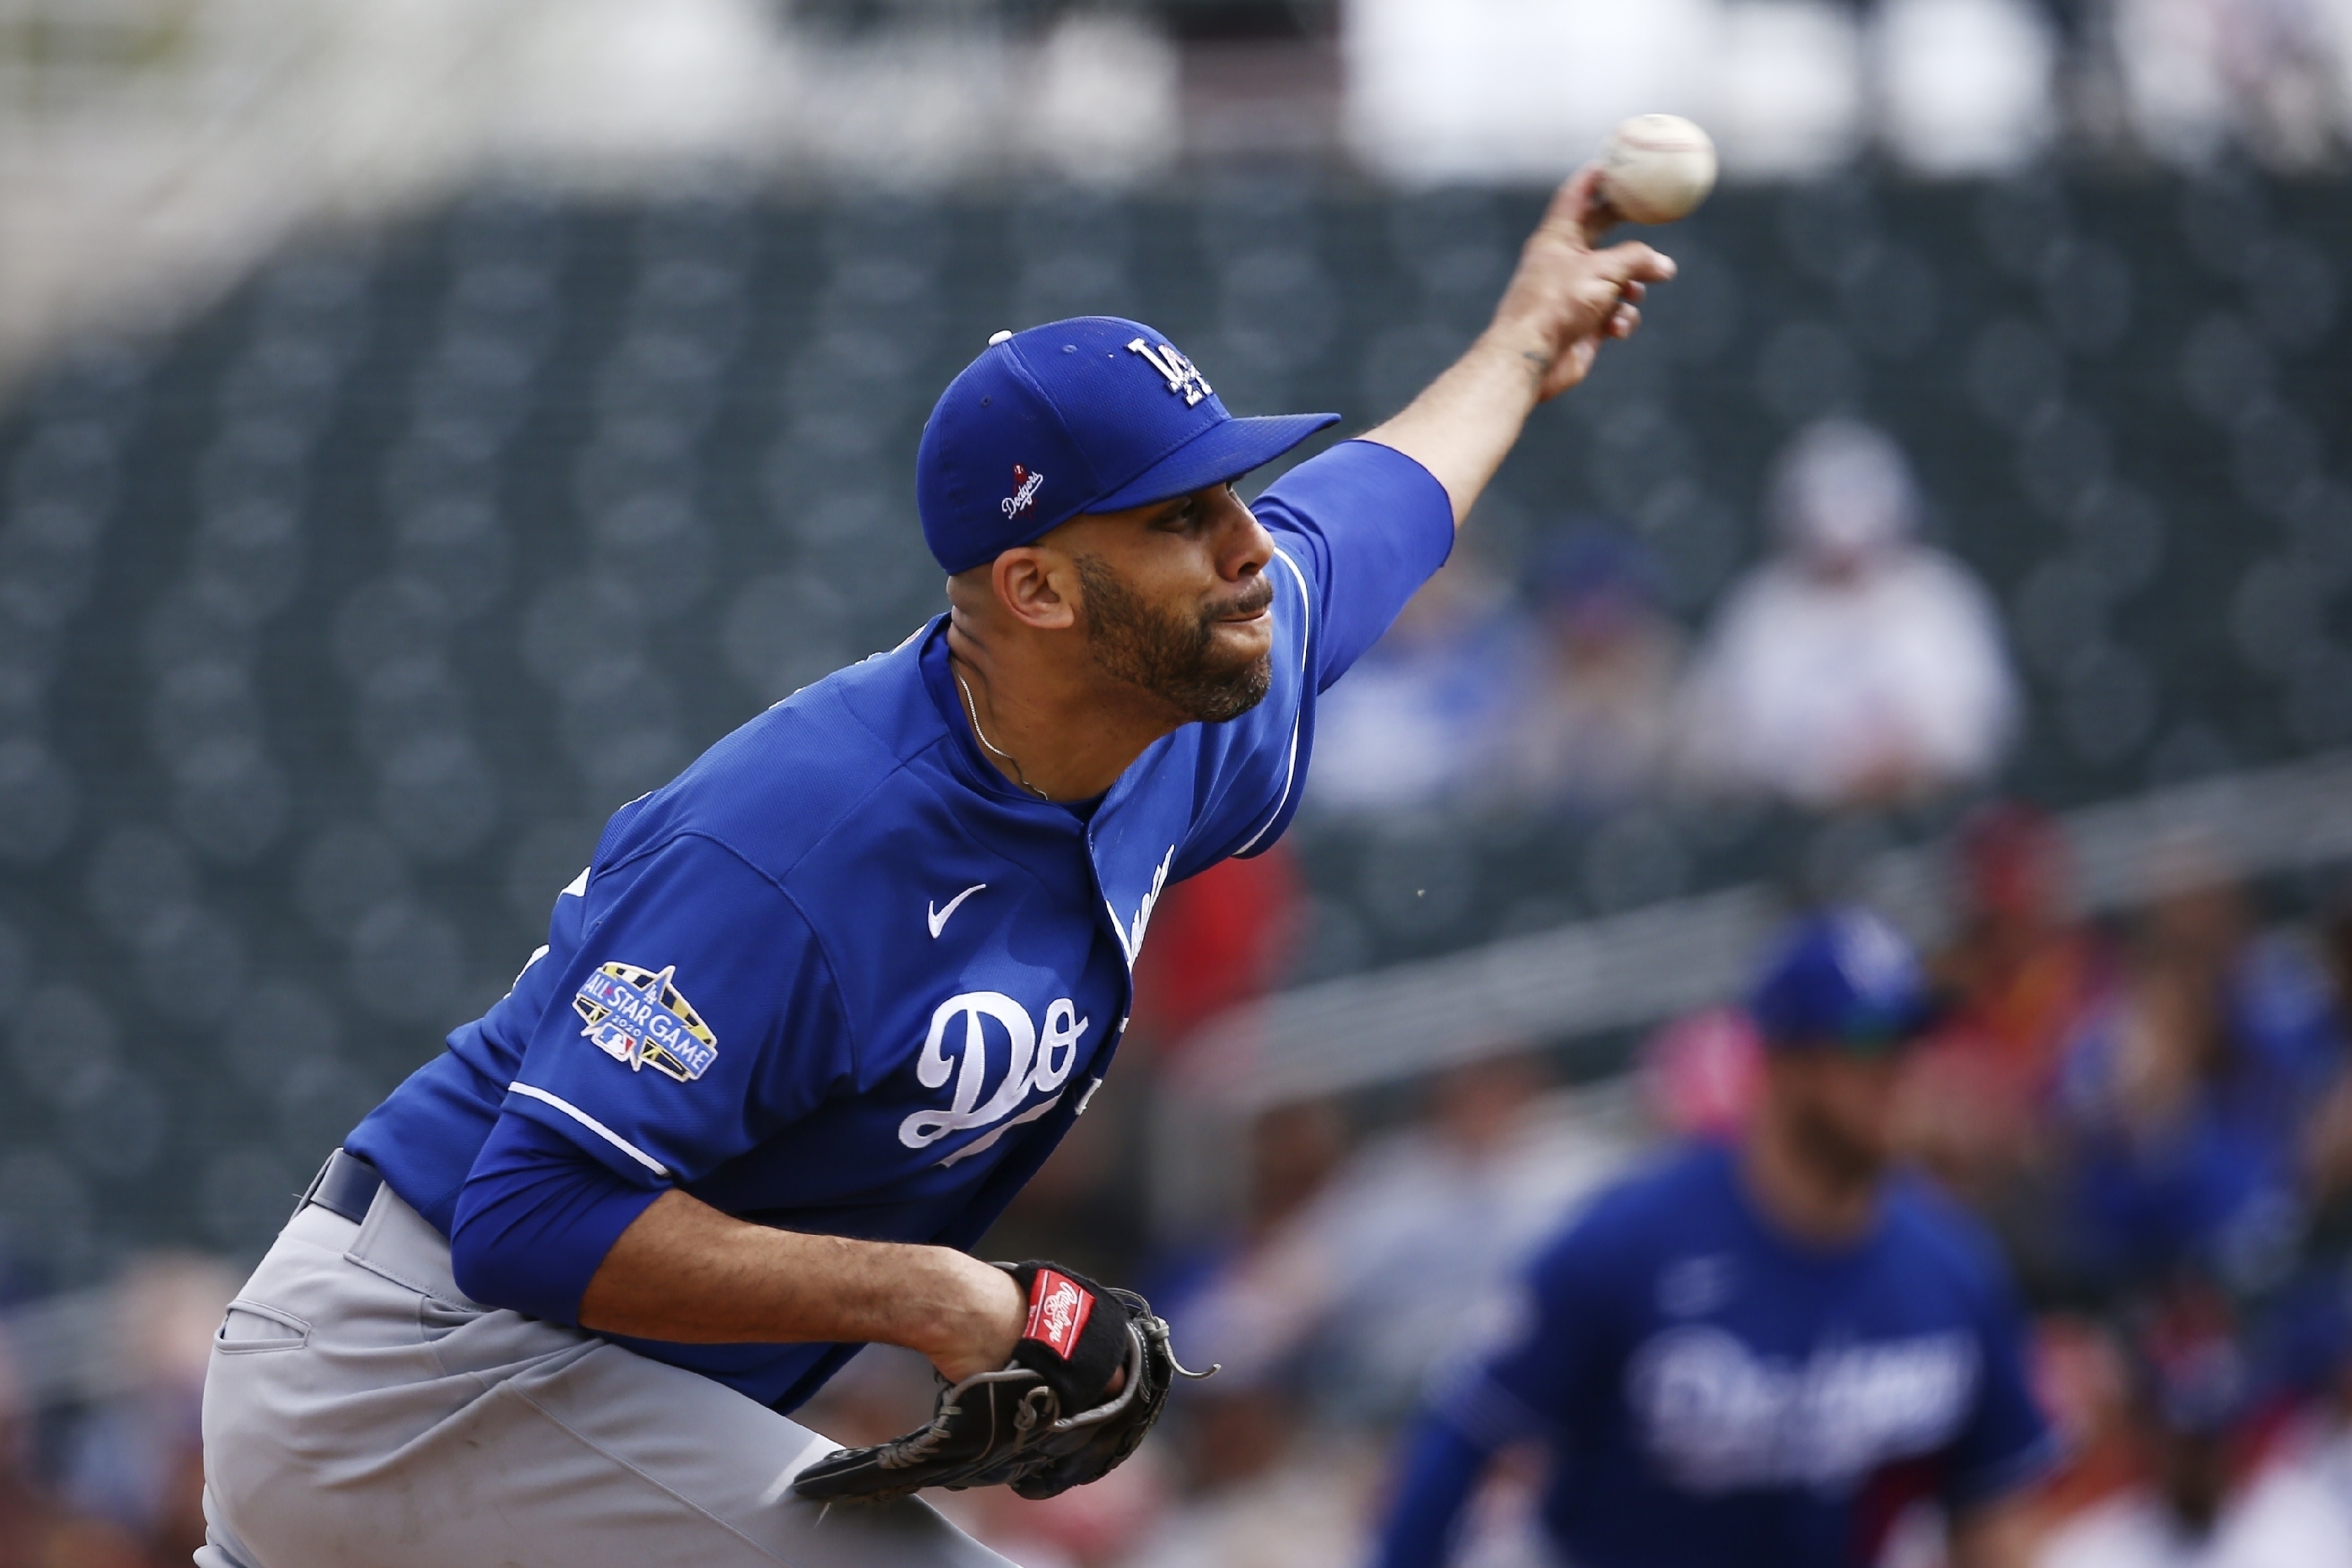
x: 1043, y: 1424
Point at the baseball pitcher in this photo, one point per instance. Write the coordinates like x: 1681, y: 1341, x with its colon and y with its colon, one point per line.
x: 818, y: 1007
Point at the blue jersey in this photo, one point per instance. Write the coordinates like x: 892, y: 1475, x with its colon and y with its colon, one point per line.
x: 1713, y: 1393
x: 840, y: 976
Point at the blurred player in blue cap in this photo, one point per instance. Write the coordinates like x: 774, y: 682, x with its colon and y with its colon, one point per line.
x: 1761, y: 1354
x: 818, y: 1007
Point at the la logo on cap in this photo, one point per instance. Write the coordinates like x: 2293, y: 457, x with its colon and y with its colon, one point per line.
x: 1183, y: 378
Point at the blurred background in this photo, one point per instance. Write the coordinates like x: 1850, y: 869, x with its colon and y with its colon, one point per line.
x: 423, y: 427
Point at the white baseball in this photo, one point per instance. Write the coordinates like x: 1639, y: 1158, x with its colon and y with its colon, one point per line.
x: 1657, y: 167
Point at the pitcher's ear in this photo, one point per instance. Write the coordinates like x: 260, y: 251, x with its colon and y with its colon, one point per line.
x: 1036, y: 586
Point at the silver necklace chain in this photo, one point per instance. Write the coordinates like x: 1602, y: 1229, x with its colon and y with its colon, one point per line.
x: 972, y: 712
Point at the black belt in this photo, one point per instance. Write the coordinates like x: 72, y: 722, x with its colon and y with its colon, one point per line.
x: 344, y: 1186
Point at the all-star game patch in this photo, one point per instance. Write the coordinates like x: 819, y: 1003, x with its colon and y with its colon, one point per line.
x: 635, y: 1016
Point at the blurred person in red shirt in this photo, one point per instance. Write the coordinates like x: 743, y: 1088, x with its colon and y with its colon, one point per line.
x: 2018, y: 980
x: 1220, y: 939
x: 2024, y: 965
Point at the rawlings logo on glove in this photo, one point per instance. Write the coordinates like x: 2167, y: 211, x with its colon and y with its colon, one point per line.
x: 1043, y: 1424
x: 1058, y: 1310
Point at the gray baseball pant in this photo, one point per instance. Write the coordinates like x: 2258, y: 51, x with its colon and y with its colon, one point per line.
x: 361, y: 1413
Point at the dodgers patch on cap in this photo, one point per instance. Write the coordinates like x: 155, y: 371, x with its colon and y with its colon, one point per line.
x: 1842, y: 977
x: 1093, y: 414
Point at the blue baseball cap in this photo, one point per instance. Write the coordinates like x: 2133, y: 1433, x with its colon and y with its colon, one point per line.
x: 1842, y: 977
x: 1094, y: 414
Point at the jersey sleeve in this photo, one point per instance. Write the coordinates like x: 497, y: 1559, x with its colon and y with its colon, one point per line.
x: 1366, y: 526
x: 1437, y: 1471
x: 1544, y: 1349
x: 2007, y: 1442
x: 535, y: 1219
x: 692, y: 1016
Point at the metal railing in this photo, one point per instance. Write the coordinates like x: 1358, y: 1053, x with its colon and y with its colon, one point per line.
x: 1651, y: 963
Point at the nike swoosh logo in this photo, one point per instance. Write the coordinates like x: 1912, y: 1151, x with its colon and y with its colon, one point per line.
x: 940, y: 916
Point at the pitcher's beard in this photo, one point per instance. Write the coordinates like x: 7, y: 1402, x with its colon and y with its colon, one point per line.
x: 1173, y: 656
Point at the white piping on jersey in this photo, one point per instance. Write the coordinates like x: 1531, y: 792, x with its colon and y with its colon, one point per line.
x: 590, y: 1122
x: 976, y: 1144
x: 575, y: 889
x: 1290, y: 769
x: 1131, y: 940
